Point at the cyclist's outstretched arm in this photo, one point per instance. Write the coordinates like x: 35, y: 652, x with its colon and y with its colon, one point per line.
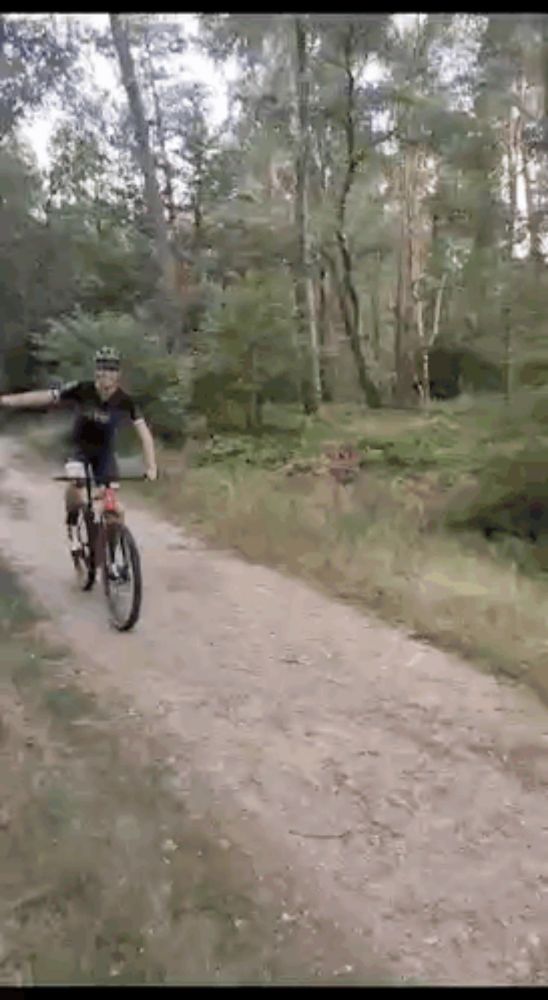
x: 147, y: 444
x: 22, y: 400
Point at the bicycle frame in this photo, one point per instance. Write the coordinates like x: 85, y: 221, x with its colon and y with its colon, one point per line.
x: 108, y: 502
x: 105, y: 530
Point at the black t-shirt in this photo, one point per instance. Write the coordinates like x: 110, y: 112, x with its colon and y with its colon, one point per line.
x: 97, y: 420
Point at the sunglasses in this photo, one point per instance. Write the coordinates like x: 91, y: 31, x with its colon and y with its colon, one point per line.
x: 106, y: 368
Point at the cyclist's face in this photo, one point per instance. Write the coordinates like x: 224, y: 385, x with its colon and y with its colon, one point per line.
x: 106, y: 381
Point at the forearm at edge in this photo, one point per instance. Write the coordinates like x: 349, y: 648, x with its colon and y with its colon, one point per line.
x: 147, y: 443
x: 22, y: 400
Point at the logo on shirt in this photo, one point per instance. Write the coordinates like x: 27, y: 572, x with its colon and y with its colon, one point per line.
x: 100, y: 418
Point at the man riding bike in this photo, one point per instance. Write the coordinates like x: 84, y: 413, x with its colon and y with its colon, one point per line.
x: 100, y: 406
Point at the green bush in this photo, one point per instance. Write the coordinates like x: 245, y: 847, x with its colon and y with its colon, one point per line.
x: 511, y: 496
x: 533, y: 372
x: 159, y: 382
x: 261, y: 453
x: 246, y: 351
x: 453, y: 368
x: 539, y: 408
x: 433, y: 447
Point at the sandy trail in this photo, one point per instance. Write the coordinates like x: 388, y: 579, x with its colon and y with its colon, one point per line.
x: 405, y: 791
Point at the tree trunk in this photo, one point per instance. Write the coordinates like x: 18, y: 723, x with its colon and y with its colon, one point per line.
x: 161, y: 134
x: 508, y: 352
x: 405, y: 345
x: 325, y: 337
x: 437, y: 309
x: 306, y: 318
x: 399, y: 331
x: 166, y: 260
x: 348, y: 297
x: 375, y: 316
x: 533, y: 217
x: 366, y: 384
x: 424, y: 382
x: 327, y: 343
x: 197, y: 212
x: 512, y: 151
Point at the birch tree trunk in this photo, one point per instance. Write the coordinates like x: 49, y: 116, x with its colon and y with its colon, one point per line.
x: 304, y: 290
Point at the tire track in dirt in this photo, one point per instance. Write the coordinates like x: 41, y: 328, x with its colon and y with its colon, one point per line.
x: 403, y: 788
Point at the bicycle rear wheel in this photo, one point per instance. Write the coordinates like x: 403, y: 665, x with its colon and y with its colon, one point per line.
x: 122, y: 577
x: 84, y: 560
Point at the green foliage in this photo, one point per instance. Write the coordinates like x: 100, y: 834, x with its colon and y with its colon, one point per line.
x: 528, y: 313
x: 160, y: 383
x: 263, y: 453
x: 534, y: 371
x: 78, y: 164
x: 246, y: 350
x: 511, y: 496
x: 456, y: 368
x: 34, y: 60
x: 78, y: 237
x: 77, y: 256
x: 436, y: 446
x: 22, y: 282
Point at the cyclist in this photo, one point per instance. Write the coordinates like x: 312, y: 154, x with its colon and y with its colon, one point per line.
x: 101, y: 405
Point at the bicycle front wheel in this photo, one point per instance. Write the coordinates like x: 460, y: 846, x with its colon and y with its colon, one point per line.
x: 122, y: 577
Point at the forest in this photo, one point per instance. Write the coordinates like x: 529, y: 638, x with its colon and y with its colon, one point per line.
x: 366, y: 224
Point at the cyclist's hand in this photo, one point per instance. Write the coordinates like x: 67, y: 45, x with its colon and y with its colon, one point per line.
x: 152, y: 474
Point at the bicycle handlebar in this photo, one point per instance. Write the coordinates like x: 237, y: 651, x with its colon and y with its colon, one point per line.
x: 118, y: 479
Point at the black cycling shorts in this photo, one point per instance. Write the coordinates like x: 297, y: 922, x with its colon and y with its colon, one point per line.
x: 103, y: 465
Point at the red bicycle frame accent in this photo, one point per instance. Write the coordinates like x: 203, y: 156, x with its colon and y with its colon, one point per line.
x: 110, y: 504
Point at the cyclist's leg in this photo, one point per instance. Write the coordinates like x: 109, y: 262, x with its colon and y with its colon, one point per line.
x: 75, y: 498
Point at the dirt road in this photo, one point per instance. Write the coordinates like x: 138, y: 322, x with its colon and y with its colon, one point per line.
x: 401, y: 788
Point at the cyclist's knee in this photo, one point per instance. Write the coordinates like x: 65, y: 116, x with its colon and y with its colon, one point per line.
x: 74, y: 497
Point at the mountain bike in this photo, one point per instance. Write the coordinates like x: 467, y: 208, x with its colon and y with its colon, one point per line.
x: 106, y: 543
